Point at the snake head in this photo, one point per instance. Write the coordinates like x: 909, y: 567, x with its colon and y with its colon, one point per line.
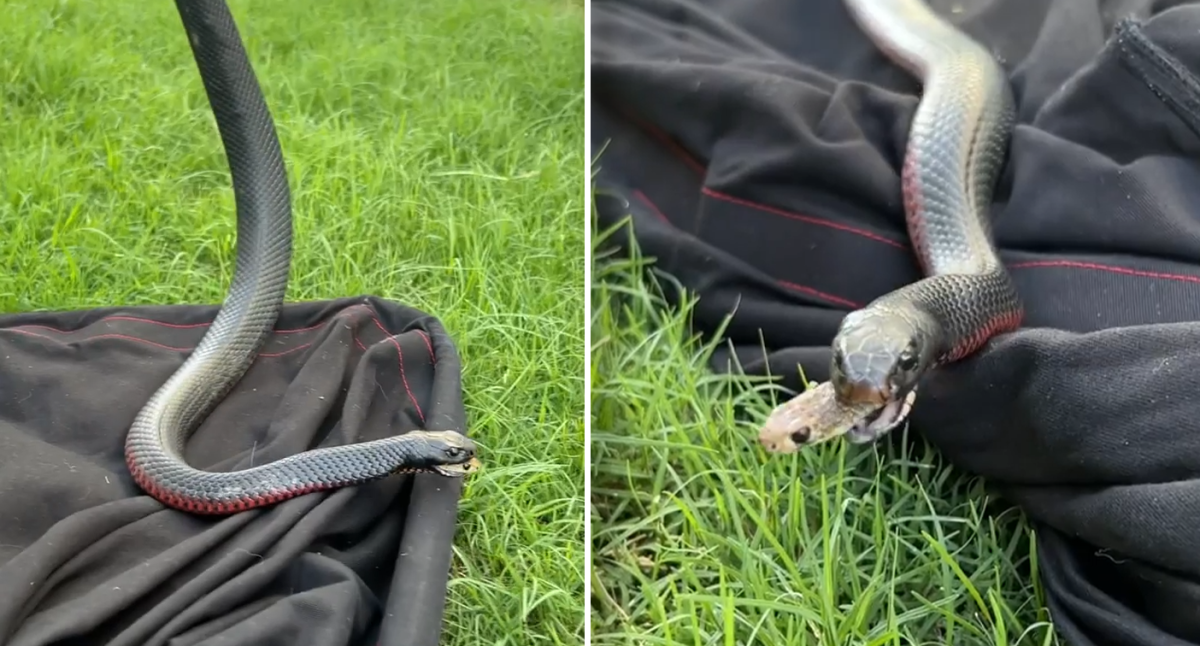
x: 879, y: 355
x: 447, y: 453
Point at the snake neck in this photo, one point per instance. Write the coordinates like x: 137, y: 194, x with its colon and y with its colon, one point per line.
x: 956, y: 314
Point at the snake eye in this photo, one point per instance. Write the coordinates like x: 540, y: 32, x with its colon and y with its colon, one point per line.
x: 453, y: 452
x: 907, y: 361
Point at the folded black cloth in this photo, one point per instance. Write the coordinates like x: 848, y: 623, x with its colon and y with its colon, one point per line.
x: 88, y: 558
x: 758, y: 145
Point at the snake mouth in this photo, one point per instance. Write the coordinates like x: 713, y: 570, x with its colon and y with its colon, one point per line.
x: 864, y: 392
x: 884, y: 419
x: 458, y: 470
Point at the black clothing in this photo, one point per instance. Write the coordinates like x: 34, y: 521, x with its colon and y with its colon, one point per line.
x: 87, y: 558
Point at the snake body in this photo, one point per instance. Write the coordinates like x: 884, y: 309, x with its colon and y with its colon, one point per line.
x: 155, y: 443
x: 956, y: 149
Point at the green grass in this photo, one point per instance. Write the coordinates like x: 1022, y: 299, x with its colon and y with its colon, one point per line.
x: 700, y: 538
x: 436, y: 158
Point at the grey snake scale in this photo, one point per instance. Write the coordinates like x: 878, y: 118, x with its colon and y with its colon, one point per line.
x: 956, y: 149
x: 155, y: 442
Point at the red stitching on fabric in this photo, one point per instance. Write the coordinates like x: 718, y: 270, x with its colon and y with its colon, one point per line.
x: 800, y: 288
x: 20, y: 329
x: 126, y: 337
x: 390, y: 337
x: 283, y: 352
x: 429, y: 345
x: 178, y: 326
x: 819, y: 294
x: 649, y: 203
x: 102, y: 336
x: 802, y: 218
x: 665, y: 139
x: 400, y: 357
x: 1036, y: 264
x: 691, y: 161
x: 1033, y: 264
x: 315, y: 326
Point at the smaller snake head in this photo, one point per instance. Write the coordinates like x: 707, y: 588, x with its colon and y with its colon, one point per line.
x: 447, y: 453
x: 879, y: 356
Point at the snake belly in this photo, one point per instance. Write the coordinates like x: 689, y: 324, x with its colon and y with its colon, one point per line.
x: 956, y: 149
x: 155, y: 443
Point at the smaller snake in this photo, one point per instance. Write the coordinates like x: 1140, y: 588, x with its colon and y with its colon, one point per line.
x: 815, y: 416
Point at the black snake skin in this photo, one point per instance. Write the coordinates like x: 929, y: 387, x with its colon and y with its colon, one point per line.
x: 956, y: 149
x: 155, y: 444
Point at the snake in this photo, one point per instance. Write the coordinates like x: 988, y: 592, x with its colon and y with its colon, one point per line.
x: 957, y: 146
x: 155, y: 442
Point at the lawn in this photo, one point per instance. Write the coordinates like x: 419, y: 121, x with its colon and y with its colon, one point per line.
x: 436, y: 158
x: 700, y: 537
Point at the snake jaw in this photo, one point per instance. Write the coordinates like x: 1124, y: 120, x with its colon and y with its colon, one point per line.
x: 447, y: 453
x: 880, y: 423
x: 458, y: 470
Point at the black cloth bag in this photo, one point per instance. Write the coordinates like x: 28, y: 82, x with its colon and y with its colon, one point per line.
x: 87, y: 558
x: 758, y: 144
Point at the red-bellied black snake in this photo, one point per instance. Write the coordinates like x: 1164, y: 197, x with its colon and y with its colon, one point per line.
x: 956, y: 149
x: 154, y: 447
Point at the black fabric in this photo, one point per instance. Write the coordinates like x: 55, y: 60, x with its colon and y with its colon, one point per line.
x: 87, y: 558
x: 758, y: 144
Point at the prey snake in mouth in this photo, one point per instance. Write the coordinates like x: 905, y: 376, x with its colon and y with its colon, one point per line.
x: 956, y: 148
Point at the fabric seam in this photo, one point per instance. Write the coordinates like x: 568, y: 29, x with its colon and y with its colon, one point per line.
x: 1169, y: 79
